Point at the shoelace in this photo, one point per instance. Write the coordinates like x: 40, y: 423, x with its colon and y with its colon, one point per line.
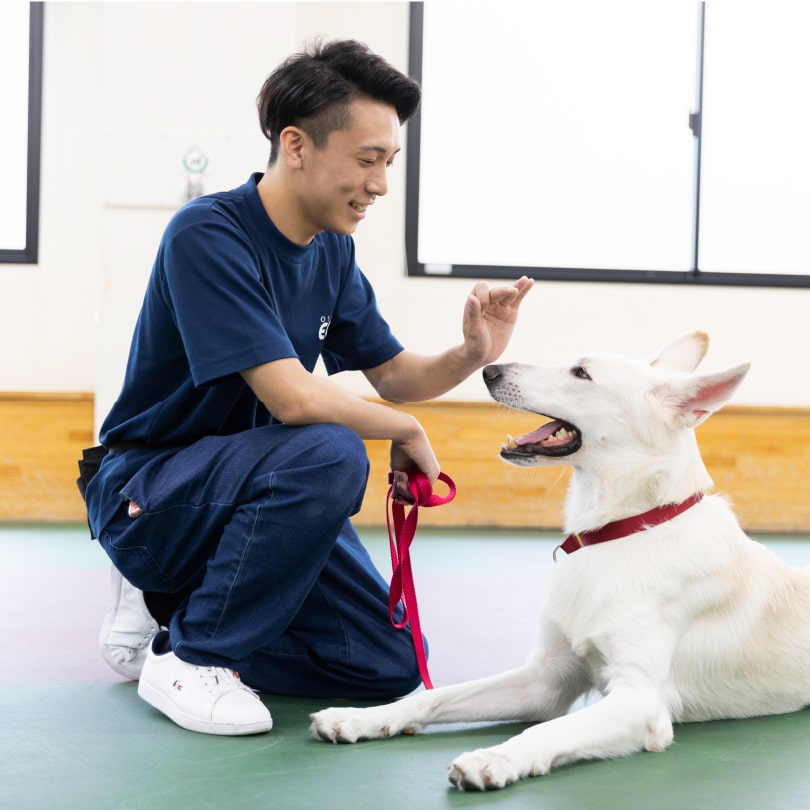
x: 222, y: 676
x: 403, y: 589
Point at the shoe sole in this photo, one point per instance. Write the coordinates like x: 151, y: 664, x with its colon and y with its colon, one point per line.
x: 131, y: 670
x: 159, y: 701
x: 112, y: 653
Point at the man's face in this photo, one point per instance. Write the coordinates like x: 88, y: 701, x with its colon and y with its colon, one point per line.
x: 340, y: 181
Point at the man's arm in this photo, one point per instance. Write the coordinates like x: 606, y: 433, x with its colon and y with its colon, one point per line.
x: 488, y: 321
x: 296, y: 397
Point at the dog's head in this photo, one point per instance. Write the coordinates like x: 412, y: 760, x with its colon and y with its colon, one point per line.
x: 610, y: 402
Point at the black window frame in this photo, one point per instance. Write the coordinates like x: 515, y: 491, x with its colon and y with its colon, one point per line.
x: 30, y: 253
x: 692, y: 276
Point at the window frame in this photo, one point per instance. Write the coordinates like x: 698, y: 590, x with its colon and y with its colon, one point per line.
x: 691, y: 276
x: 30, y: 253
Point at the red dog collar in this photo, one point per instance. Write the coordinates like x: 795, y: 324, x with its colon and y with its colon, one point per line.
x: 624, y: 528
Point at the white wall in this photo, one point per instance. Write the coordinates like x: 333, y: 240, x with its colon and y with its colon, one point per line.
x: 129, y: 87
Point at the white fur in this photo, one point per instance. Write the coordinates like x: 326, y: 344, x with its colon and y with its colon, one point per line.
x: 689, y: 620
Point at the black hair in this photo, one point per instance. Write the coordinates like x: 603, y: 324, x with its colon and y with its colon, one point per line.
x: 313, y: 89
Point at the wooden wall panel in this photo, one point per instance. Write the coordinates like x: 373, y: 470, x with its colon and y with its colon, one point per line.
x: 466, y: 438
x: 759, y: 457
x: 41, y: 437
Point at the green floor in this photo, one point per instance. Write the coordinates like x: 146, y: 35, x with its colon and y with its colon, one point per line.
x: 73, y: 735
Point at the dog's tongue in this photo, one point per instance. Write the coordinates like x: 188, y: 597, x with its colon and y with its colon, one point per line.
x: 541, y: 434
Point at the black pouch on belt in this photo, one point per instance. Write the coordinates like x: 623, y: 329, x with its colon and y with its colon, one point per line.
x: 88, y: 466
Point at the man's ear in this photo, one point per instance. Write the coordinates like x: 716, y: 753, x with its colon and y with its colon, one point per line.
x: 692, y: 399
x: 291, y: 146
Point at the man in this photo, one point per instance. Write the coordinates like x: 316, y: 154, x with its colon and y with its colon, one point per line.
x: 233, y: 470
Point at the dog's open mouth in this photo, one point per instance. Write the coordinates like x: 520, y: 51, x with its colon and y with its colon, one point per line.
x: 557, y: 438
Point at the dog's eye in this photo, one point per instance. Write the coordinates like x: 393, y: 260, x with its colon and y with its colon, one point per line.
x: 579, y: 371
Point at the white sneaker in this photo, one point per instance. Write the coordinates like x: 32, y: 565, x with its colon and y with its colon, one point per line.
x: 212, y: 700
x: 127, y: 629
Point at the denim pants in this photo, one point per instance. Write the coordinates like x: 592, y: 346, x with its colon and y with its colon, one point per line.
x: 254, y: 530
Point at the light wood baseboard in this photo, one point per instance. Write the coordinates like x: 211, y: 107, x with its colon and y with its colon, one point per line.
x: 759, y: 457
x: 41, y: 439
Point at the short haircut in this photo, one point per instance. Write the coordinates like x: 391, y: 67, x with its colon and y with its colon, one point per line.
x: 313, y: 89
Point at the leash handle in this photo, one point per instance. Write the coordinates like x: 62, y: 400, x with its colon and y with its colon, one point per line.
x: 423, y: 494
x: 401, y: 532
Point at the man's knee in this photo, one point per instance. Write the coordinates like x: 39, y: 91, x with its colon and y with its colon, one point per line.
x: 401, y: 680
x: 340, y: 457
x: 396, y: 671
x: 343, y: 444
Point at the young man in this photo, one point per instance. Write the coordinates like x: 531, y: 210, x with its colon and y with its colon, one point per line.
x: 233, y: 470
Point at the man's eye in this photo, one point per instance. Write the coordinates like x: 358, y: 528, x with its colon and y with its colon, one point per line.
x: 579, y: 371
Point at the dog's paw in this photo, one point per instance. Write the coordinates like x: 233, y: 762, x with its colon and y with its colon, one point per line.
x: 342, y: 726
x: 350, y: 725
x: 484, y: 769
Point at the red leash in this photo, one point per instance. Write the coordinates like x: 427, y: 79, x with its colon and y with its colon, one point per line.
x: 404, y: 529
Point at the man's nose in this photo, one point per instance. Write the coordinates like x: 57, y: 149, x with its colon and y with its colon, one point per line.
x: 378, y: 183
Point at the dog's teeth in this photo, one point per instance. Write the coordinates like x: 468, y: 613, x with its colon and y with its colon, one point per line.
x: 510, y: 442
x: 561, y: 435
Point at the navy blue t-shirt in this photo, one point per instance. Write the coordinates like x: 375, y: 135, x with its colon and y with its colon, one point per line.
x: 228, y: 292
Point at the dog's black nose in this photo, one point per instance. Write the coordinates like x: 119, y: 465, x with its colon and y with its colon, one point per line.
x: 491, y: 374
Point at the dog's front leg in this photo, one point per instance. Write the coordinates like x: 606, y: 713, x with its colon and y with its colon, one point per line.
x: 512, y: 695
x: 543, y: 688
x: 628, y: 719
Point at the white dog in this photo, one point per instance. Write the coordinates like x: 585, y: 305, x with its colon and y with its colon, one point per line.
x: 679, y: 618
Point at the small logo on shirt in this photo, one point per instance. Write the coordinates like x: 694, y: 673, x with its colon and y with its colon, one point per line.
x: 324, y: 328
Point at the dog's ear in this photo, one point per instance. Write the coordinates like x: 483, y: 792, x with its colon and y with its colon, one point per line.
x: 694, y: 398
x: 683, y: 354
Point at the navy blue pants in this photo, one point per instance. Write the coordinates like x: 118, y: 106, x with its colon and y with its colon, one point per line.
x: 254, y: 530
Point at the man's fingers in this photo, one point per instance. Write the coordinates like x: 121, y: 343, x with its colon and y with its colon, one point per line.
x: 399, y: 487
